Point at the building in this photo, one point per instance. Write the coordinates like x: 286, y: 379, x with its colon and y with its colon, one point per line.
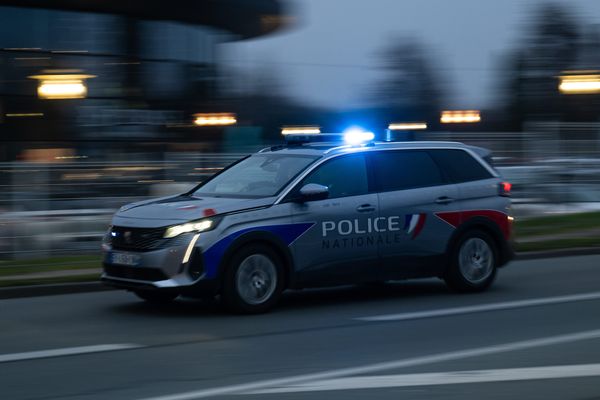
x: 147, y: 66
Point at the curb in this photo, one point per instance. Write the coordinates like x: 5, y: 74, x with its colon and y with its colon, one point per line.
x: 87, y: 287
x: 16, y: 292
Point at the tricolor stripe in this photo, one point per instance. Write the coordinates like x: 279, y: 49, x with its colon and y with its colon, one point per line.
x: 414, y: 223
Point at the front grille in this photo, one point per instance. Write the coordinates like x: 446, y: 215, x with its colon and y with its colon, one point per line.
x: 137, y: 273
x: 137, y: 239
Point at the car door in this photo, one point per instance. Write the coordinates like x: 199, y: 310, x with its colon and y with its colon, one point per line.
x: 338, y: 247
x: 412, y: 190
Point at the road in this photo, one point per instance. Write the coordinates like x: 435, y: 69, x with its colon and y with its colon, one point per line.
x: 534, y: 335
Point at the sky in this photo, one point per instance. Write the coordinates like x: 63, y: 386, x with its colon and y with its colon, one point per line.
x: 329, y: 57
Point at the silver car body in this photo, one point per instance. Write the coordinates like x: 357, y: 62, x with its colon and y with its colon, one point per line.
x: 368, y: 237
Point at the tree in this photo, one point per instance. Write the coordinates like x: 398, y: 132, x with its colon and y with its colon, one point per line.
x: 410, y: 89
x: 550, y: 46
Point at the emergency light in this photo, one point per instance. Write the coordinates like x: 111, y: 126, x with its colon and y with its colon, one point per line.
x: 353, y: 136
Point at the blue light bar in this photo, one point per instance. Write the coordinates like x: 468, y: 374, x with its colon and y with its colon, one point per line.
x: 356, y: 136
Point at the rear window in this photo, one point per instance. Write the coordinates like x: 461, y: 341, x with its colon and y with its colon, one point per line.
x: 405, y: 169
x: 459, y: 166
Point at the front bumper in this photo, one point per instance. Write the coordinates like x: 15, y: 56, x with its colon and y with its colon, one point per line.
x: 162, y: 269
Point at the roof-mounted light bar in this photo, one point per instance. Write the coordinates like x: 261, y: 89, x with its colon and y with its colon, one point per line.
x: 353, y: 136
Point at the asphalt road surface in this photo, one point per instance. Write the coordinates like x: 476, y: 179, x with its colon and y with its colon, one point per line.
x: 534, y: 335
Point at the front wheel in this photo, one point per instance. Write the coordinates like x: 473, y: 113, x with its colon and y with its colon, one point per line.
x: 253, y: 281
x: 473, y: 263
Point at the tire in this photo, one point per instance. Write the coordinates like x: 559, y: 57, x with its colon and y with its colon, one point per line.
x: 156, y: 297
x: 473, y: 263
x: 253, y: 281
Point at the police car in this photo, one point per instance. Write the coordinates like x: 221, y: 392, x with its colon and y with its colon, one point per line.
x: 318, y: 212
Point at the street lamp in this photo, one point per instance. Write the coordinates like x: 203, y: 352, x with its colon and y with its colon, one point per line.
x: 460, y: 117
x: 407, y: 126
x: 214, y: 119
x: 62, y: 84
x: 581, y: 82
x: 300, y: 130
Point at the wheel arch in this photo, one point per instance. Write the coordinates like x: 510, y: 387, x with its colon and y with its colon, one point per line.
x: 263, y: 238
x: 486, y: 225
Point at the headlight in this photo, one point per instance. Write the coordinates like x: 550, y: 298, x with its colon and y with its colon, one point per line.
x: 194, y: 226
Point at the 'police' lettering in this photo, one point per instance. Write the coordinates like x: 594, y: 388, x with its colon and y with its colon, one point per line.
x: 347, y: 227
x: 377, y: 228
x: 328, y: 226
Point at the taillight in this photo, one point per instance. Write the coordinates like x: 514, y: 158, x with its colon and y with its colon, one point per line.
x: 504, y: 189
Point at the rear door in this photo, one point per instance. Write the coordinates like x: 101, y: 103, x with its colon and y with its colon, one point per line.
x: 411, y: 190
x: 337, y: 248
x: 477, y: 185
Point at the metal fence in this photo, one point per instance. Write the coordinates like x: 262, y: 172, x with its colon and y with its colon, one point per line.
x: 63, y: 208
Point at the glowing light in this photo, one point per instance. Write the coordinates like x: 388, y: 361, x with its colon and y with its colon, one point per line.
x: 407, y: 126
x: 62, y: 90
x: 63, y: 84
x: 300, y: 130
x: 215, y: 119
x: 197, y: 226
x: 354, y: 136
x: 579, y: 84
x: 190, y: 248
x: 24, y: 115
x: 460, y: 117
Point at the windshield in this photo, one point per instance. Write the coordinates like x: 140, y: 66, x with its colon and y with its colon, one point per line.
x: 261, y: 175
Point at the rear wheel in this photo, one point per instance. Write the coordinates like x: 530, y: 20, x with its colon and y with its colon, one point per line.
x: 473, y: 263
x: 156, y: 297
x: 254, y: 280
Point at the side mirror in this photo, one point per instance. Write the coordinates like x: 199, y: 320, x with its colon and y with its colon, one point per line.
x: 312, y: 192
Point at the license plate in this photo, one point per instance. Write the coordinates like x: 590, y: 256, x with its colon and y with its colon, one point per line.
x: 124, y: 259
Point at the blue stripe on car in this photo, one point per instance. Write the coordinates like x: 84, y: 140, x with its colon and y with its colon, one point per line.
x: 287, y: 233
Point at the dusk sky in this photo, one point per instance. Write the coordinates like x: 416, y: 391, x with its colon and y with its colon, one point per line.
x: 329, y: 58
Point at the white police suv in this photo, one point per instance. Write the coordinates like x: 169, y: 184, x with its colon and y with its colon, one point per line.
x: 316, y: 212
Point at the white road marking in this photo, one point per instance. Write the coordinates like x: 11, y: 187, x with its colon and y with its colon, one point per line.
x: 66, y: 351
x: 483, y: 307
x: 365, y: 369
x: 441, y: 378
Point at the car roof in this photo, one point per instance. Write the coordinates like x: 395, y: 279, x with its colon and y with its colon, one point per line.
x: 335, y: 148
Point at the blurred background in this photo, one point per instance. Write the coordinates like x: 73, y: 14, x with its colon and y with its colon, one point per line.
x: 103, y: 102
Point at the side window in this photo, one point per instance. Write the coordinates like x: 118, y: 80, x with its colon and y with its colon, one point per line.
x: 460, y: 166
x: 344, y: 176
x: 406, y: 169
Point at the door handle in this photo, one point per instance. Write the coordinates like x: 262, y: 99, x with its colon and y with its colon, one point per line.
x: 444, y: 200
x: 365, y: 208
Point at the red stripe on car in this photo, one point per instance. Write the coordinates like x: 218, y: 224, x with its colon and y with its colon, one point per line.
x: 456, y: 218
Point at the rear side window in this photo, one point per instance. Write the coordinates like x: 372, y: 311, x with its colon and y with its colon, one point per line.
x: 459, y: 166
x: 405, y: 169
x: 344, y: 176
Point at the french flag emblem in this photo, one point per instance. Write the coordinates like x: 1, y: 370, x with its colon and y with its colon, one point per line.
x: 413, y: 224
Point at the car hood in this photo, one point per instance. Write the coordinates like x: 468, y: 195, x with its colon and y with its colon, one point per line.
x: 182, y: 208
